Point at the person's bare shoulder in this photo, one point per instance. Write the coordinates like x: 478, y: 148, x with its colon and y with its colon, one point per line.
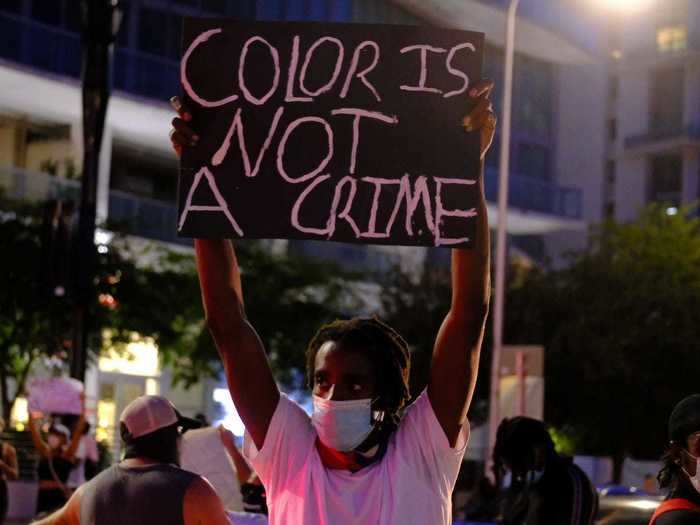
x: 203, y: 505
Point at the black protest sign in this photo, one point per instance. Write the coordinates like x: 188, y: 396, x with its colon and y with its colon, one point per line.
x: 344, y: 132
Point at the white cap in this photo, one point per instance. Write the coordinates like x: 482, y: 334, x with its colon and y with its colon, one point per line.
x: 146, y: 414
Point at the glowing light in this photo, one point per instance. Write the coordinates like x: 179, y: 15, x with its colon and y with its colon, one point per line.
x: 671, y: 210
x: 103, y: 236
x: 616, y: 54
x: 231, y: 420
x: 108, y: 301
x: 626, y: 6
x: 20, y: 412
x: 152, y: 387
x: 644, y: 504
x: 106, y: 419
x: 140, y: 358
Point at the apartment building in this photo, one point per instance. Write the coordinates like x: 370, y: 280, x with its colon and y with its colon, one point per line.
x: 653, y: 124
x: 555, y: 180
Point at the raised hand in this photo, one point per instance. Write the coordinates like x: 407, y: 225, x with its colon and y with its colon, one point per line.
x: 181, y: 134
x: 481, y: 117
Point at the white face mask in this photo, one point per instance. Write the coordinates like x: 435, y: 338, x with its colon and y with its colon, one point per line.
x: 694, y: 480
x: 342, y: 425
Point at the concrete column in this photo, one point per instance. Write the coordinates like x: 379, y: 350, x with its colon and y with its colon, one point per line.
x: 631, y: 187
x: 691, y: 111
x: 103, y: 175
x: 691, y: 174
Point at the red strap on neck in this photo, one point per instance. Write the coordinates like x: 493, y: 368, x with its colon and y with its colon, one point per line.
x: 673, y: 504
x: 337, y: 460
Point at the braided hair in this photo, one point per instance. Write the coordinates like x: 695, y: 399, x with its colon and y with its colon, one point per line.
x: 671, y: 470
x: 383, y: 346
x: 516, y: 439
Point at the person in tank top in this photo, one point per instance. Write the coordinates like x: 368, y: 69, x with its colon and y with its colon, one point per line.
x: 148, y: 486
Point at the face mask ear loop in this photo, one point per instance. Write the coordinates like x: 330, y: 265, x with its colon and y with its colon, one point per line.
x: 697, y: 465
x: 377, y: 415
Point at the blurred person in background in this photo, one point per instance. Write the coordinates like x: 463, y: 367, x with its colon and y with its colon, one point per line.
x: 8, y: 471
x: 147, y: 487
x: 86, y: 459
x: 545, y: 488
x: 252, y: 489
x: 57, y: 457
x: 680, y: 474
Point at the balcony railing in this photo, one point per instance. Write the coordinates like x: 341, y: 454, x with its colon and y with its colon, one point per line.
x: 530, y: 194
x: 156, y: 220
x: 38, y: 45
x: 687, y: 132
x: 58, y: 51
x: 33, y: 186
x: 143, y: 217
x: 138, y: 216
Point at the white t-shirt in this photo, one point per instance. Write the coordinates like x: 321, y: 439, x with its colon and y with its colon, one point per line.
x: 411, y: 485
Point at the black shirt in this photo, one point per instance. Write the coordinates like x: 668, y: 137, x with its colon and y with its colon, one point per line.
x: 682, y: 517
x: 148, y: 495
x: 563, y: 495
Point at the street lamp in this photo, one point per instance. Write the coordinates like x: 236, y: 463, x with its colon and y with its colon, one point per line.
x: 620, y: 6
x: 101, y: 20
x: 501, y: 248
x: 625, y: 6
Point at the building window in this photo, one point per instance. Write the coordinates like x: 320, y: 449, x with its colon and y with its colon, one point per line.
x: 672, y: 39
x: 666, y: 180
x: 533, y: 161
x: 47, y: 12
x: 666, y: 100
x: 214, y: 6
x: 612, y: 130
x: 13, y: 6
x: 609, y: 189
x: 164, y: 42
x: 613, y: 87
x: 533, y: 96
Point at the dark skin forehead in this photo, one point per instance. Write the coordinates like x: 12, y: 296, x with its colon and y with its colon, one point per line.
x: 345, y: 367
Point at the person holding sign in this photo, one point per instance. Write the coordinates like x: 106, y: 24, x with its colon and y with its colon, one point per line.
x: 8, y: 471
x: 57, y: 457
x: 362, y: 457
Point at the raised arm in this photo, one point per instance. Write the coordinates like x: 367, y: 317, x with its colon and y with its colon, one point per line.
x: 77, y: 433
x: 39, y: 444
x: 243, y: 470
x: 248, y: 373
x: 457, y: 347
x: 69, y: 514
x: 8, y: 463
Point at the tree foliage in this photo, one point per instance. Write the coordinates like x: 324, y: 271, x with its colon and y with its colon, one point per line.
x: 152, y: 291
x: 621, y: 332
x: 415, y: 305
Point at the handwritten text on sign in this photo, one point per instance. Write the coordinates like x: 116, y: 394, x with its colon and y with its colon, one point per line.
x: 345, y: 132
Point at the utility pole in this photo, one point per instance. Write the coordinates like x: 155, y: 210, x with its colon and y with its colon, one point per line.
x: 100, y: 25
x: 501, y: 237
